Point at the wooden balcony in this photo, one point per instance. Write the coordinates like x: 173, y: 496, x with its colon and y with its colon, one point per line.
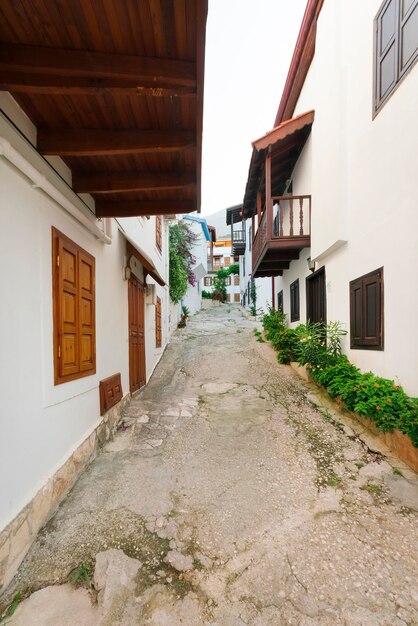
x: 283, y: 231
x: 238, y: 242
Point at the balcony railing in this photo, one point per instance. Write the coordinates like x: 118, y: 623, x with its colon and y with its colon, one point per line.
x: 285, y: 224
x: 238, y: 236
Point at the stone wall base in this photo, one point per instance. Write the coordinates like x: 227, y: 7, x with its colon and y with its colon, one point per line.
x: 18, y: 536
x: 398, y: 443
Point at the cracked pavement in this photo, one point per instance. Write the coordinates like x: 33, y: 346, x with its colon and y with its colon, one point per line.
x: 229, y: 498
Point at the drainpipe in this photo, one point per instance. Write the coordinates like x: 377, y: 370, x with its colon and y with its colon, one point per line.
x: 41, y: 182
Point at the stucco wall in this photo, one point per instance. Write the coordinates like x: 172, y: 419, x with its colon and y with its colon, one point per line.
x: 42, y: 423
x: 361, y: 173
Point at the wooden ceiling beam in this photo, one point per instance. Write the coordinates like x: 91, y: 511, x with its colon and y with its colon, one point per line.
x: 59, y: 67
x: 93, y: 142
x: 143, y: 207
x: 105, y: 182
x: 44, y: 84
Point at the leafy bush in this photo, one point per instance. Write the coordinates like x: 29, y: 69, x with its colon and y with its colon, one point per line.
x: 374, y: 397
x: 206, y: 294
x: 233, y: 269
x: 219, y: 282
x: 181, y: 242
x: 285, y: 341
x: 319, y: 347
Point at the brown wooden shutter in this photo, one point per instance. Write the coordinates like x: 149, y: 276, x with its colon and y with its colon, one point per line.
x: 356, y: 313
x: 158, y: 233
x: 366, y: 311
x: 158, y: 330
x: 294, y: 301
x: 74, y: 310
x: 236, y: 280
x: 86, y: 303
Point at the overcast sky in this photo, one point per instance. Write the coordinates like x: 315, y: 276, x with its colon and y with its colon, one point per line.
x: 249, y: 46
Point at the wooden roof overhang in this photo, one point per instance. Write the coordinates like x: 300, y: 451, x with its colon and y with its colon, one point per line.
x: 234, y: 214
x: 115, y: 89
x: 284, y: 145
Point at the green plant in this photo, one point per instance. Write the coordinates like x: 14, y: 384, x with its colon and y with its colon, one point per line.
x: 185, y: 310
x: 181, y: 242
x: 397, y: 471
x: 219, y: 283
x: 80, y: 576
x: 334, y: 480
x: 359, y: 464
x: 233, y: 269
x: 286, y: 341
x: 372, y: 488
x: 17, y: 598
x: 206, y: 294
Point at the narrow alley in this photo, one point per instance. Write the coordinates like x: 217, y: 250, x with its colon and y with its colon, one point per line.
x: 227, y: 499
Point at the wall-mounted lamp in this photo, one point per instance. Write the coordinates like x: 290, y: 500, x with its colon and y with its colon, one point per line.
x: 311, y: 264
x: 126, y: 272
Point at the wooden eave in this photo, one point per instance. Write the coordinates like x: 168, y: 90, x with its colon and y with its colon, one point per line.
x: 285, y: 143
x: 117, y: 92
x: 301, y: 61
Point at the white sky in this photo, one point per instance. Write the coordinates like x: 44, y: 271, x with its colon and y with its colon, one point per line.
x: 249, y: 46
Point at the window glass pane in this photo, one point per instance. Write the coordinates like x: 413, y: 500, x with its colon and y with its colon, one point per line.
x: 387, y: 71
x: 387, y: 25
x: 409, y: 37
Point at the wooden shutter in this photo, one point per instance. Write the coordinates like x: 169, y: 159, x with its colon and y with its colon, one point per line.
x: 158, y: 330
x: 228, y: 297
x: 236, y: 280
x: 237, y: 297
x: 158, y: 233
x: 74, y: 310
x: 294, y: 301
x: 280, y: 301
x: 366, y: 311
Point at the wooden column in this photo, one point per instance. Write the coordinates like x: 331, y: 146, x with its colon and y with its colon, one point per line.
x: 258, y: 208
x: 269, y: 202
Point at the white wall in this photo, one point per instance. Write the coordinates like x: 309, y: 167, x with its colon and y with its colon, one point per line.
x: 41, y: 424
x: 362, y: 174
x: 193, y: 296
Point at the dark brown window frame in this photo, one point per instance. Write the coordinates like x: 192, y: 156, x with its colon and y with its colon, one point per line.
x: 59, y: 240
x: 295, y: 304
x: 366, y: 344
x: 400, y: 73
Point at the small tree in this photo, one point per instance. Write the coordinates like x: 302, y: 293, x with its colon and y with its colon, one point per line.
x: 234, y: 268
x: 219, y: 283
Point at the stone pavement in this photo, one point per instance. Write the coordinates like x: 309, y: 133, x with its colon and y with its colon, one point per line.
x: 229, y: 498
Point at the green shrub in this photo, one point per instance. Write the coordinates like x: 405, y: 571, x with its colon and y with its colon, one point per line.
x: 319, y: 347
x: 206, y: 294
x: 285, y: 342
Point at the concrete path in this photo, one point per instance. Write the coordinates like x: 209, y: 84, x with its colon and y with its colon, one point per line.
x: 229, y: 499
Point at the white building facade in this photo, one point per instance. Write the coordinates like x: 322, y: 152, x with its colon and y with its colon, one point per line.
x: 353, y: 124
x: 83, y: 300
x: 193, y: 296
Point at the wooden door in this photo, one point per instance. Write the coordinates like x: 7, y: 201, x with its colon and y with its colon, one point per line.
x: 136, y: 305
x: 316, y: 304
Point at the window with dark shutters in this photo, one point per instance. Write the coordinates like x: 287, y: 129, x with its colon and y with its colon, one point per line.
x: 73, y: 294
x: 366, y: 311
x: 396, y: 46
x: 294, y: 301
x: 280, y: 301
x: 158, y: 329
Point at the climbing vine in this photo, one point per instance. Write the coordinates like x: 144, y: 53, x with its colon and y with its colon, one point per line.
x: 181, y: 242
